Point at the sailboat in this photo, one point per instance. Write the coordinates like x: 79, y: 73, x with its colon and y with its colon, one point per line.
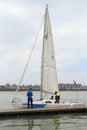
x: 49, y: 81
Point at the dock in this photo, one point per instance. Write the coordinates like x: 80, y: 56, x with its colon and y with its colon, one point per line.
x: 46, y: 111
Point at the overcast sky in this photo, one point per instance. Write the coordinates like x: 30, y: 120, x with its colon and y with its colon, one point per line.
x: 19, y: 23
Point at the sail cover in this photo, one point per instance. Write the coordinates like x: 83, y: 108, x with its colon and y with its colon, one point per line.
x: 49, y: 81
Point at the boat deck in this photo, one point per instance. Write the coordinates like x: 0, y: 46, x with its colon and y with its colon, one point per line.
x: 40, y: 111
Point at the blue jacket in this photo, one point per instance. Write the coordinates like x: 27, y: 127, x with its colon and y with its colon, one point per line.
x: 29, y: 94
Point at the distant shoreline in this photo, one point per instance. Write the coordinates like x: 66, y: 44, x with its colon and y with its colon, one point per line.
x: 39, y: 90
x: 61, y: 86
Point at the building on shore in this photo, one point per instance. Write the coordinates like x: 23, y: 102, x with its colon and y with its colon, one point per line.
x: 62, y: 87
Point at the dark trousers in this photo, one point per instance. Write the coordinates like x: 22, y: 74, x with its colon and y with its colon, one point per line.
x: 30, y: 102
x: 57, y: 99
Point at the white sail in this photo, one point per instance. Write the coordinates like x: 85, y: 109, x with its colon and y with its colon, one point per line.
x: 49, y: 81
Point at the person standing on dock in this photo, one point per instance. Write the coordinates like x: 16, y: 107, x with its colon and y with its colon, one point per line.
x: 57, y: 97
x: 30, y: 99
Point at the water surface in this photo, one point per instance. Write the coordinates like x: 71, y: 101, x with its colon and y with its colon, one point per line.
x: 48, y: 122
x: 75, y: 121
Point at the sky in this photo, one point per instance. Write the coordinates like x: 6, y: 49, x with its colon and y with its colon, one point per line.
x: 19, y: 24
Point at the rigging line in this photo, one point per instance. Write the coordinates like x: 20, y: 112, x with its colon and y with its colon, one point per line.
x: 46, y: 93
x: 29, y: 57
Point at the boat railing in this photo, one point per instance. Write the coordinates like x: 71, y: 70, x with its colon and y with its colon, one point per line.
x: 16, y: 103
x: 80, y: 101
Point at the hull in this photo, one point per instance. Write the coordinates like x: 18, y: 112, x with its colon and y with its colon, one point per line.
x: 43, y: 103
x: 46, y: 104
x: 51, y: 105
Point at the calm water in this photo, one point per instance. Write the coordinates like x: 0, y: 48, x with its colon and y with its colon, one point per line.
x: 47, y: 122
x: 55, y: 122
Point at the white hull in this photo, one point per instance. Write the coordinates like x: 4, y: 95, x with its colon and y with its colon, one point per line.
x: 51, y: 103
x: 43, y: 103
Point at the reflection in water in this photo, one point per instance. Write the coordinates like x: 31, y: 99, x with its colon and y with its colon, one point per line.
x: 30, y: 123
x: 46, y: 122
x: 43, y: 123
